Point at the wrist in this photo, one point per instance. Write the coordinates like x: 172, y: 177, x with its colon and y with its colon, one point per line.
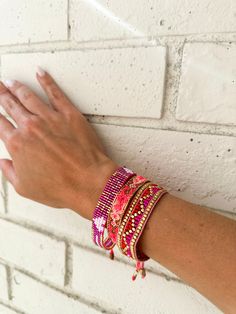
x: 85, y: 205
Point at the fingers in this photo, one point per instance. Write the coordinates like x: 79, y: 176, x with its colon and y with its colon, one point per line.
x: 56, y: 96
x: 8, y: 170
x: 12, y: 106
x: 28, y: 98
x: 6, y: 128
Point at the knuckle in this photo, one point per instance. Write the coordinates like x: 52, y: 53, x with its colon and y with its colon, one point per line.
x: 31, y: 124
x: 55, y: 118
x: 71, y: 116
x: 10, y: 103
x: 13, y: 141
x: 25, y: 93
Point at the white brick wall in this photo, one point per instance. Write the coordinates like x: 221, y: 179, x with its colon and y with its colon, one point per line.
x: 143, y: 296
x: 101, y: 19
x: 3, y: 283
x: 108, y: 73
x: 6, y: 310
x: 21, y: 21
x: 208, y: 84
x: 158, y: 80
x: 44, y: 299
x: 32, y: 251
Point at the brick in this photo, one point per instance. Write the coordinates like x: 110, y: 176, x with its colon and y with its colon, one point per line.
x: 56, y: 219
x: 116, y: 77
x: 96, y: 20
x: 100, y: 278
x: 3, y: 283
x: 44, y: 299
x: 208, y: 84
x: 6, y: 310
x: 32, y: 251
x: 23, y: 21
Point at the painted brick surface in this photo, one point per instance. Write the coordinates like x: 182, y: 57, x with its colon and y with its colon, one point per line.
x: 22, y: 21
x: 157, y: 81
x: 149, y: 295
x: 101, y: 19
x: 109, y: 74
x: 32, y: 251
x: 44, y: 299
x: 3, y: 283
x: 208, y: 84
x: 5, y: 310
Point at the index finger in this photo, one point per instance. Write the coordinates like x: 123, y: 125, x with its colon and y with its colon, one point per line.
x: 57, y: 97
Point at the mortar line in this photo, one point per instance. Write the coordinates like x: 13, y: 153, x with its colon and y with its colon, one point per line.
x: 66, y: 291
x: 199, y: 37
x: 166, y: 78
x: 136, y: 42
x: 72, y: 48
x: 169, y: 91
x: 4, y: 193
x: 68, y: 21
x: 9, y: 282
x: 11, y: 307
x: 68, y: 265
x: 174, y: 129
x: 179, y: 76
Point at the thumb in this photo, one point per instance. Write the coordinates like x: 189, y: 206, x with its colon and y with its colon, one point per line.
x: 8, y: 170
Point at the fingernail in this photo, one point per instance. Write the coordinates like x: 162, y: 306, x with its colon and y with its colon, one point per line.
x: 9, y: 83
x: 40, y: 71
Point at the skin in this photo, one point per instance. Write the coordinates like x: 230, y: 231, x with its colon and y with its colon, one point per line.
x: 57, y: 159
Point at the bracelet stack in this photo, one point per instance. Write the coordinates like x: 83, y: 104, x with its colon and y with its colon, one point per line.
x: 123, y: 210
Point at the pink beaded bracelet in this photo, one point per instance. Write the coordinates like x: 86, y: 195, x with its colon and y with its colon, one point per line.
x: 120, y: 203
x: 112, y: 187
x: 134, y: 221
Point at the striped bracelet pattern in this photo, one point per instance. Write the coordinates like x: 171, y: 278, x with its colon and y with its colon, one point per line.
x: 100, y: 215
x: 136, y: 216
x: 120, y: 204
x: 136, y: 253
x: 126, y: 216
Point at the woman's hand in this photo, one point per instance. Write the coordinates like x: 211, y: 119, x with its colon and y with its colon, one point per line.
x: 57, y: 158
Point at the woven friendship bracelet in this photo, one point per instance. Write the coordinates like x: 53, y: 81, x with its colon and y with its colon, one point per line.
x: 120, y: 204
x: 112, y: 187
x: 128, y: 213
x: 134, y: 218
x: 143, y: 219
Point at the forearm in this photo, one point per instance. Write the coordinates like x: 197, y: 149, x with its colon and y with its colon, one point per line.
x: 197, y: 245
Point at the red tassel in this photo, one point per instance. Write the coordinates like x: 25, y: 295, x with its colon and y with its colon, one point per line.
x: 134, y: 276
x: 139, y: 269
x: 111, y: 254
x: 143, y: 273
